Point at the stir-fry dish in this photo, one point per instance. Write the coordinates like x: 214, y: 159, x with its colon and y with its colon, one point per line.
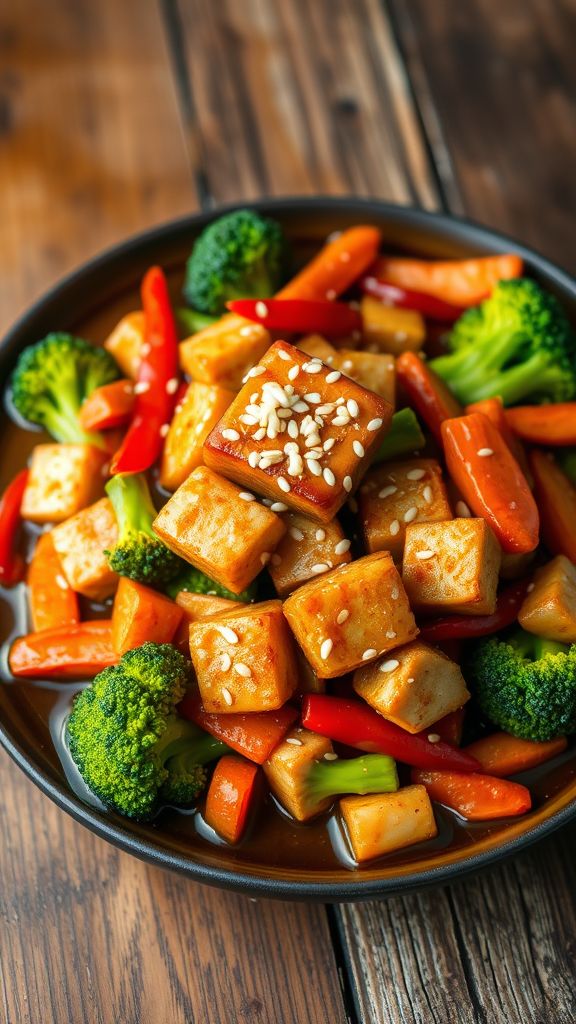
x: 305, y: 539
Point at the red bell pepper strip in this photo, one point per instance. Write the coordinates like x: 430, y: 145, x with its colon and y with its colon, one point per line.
x: 553, y: 425
x: 426, y: 393
x: 11, y: 565
x: 459, y: 282
x: 300, y: 316
x: 109, y: 406
x: 475, y: 797
x: 451, y: 627
x: 157, y: 383
x: 501, y: 754
x: 357, y: 725
x: 405, y: 298
x: 253, y: 735
x: 68, y: 652
x: 556, y: 497
x: 230, y: 796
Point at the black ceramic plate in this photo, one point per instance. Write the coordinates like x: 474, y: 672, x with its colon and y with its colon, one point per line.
x: 89, y: 302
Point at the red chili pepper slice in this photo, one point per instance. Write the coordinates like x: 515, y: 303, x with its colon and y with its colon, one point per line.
x: 357, y: 725
x: 300, y: 316
x: 452, y: 627
x: 158, y: 380
x: 404, y: 298
x: 11, y: 565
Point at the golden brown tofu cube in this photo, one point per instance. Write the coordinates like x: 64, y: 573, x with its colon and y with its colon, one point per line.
x: 244, y: 659
x: 384, y: 822
x: 451, y: 566
x: 399, y: 493
x: 219, y: 528
x: 549, y: 610
x: 413, y: 686
x: 306, y: 551
x: 376, y: 372
x: 351, y: 615
x: 224, y: 352
x: 81, y: 542
x: 197, y: 414
x: 316, y: 345
x: 287, y: 770
x: 63, y: 479
x: 387, y: 329
x: 125, y: 343
x: 298, y: 433
x: 200, y: 606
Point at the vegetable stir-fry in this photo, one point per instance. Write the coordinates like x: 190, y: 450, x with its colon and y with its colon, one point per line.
x: 300, y: 541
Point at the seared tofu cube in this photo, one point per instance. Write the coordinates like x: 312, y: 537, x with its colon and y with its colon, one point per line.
x: 63, y: 479
x: 351, y: 615
x: 383, y: 822
x: 376, y: 372
x: 299, y: 433
x: 81, y: 542
x: 316, y: 345
x: 224, y: 352
x: 549, y: 610
x: 451, y: 566
x: 413, y: 686
x: 219, y: 528
x: 125, y: 343
x: 387, y: 329
x: 306, y: 551
x: 196, y: 607
x: 244, y: 659
x: 399, y: 493
x: 197, y: 414
x: 287, y: 770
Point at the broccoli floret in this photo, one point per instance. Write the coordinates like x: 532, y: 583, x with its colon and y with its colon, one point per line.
x: 525, y: 685
x: 196, y: 582
x: 517, y: 344
x: 403, y: 438
x: 127, y: 741
x: 138, y: 553
x: 240, y: 255
x: 51, y: 380
x: 370, y: 773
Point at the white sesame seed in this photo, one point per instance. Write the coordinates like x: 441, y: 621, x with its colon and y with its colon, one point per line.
x: 389, y: 666
x: 292, y: 428
x: 164, y: 429
x: 260, y: 434
x: 342, y: 547
x: 248, y: 330
x: 462, y: 510
x: 61, y: 582
x: 313, y: 397
x: 301, y: 407
x: 329, y: 476
x: 374, y: 424
x: 228, y: 634
x: 225, y: 662
x: 330, y: 756
x: 342, y: 616
x: 415, y: 474
x: 347, y: 483
x: 320, y: 535
x: 172, y: 385
x: 370, y: 652
x: 410, y: 679
x: 294, y: 741
x: 313, y: 455
x: 340, y: 421
x: 326, y: 649
x: 256, y: 371
x: 427, y: 494
x: 293, y: 372
x: 312, y: 367
x: 227, y: 695
x: 261, y: 310
x: 358, y: 449
x: 265, y: 557
x: 247, y: 496
x: 484, y: 452
x: 253, y: 459
x: 283, y: 484
x: 315, y: 468
x: 278, y: 506
x: 394, y: 593
x: 425, y: 554
x: 329, y: 444
x: 347, y: 365
x: 319, y: 567
x: 243, y: 670
x: 387, y: 492
x: 390, y: 633
x: 332, y: 377
x: 250, y: 421
x: 394, y: 527
x: 296, y: 533
x: 411, y: 514
x: 353, y: 408
x: 141, y: 387
x: 433, y: 737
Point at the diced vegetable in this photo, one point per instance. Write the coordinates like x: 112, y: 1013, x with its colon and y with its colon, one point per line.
x: 63, y: 479
x: 545, y: 424
x: 549, y: 609
x: 52, y: 601
x: 11, y: 565
x: 404, y: 437
x: 556, y: 498
x: 138, y: 552
x: 306, y: 551
x: 74, y: 651
x: 200, y: 606
x: 338, y: 264
x: 453, y: 627
x: 404, y: 298
x: 125, y: 343
x: 399, y: 493
x: 458, y: 282
x: 195, y: 416
x: 493, y: 409
x: 81, y: 543
x: 388, y: 329
x: 253, y: 735
x: 299, y: 316
x: 140, y: 614
x: 379, y: 824
x: 316, y: 345
x: 108, y: 406
x: 501, y: 754
x: 371, y: 370
x: 231, y: 796
x: 223, y: 353
x: 475, y: 797
x: 426, y: 392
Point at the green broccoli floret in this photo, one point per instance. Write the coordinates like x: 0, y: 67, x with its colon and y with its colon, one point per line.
x: 403, y: 438
x: 196, y: 582
x: 370, y: 773
x: 51, y: 380
x: 138, y: 553
x: 127, y: 741
x: 517, y: 344
x: 240, y: 255
x: 525, y: 685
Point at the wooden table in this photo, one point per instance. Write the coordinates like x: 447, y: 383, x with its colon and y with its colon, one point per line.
x: 119, y: 114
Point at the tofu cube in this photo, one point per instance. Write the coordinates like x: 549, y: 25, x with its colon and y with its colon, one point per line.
x: 125, y: 343
x: 287, y: 769
x: 383, y: 822
x: 244, y: 659
x: 374, y: 371
x: 413, y: 686
x: 209, y: 524
x: 351, y: 615
x: 388, y: 329
x: 197, y: 414
x: 224, y: 352
x: 399, y: 493
x: 81, y: 542
x: 550, y: 609
x: 63, y: 478
x: 194, y: 608
x: 306, y: 551
x: 451, y: 566
x: 140, y: 614
x: 297, y: 434
x: 316, y: 345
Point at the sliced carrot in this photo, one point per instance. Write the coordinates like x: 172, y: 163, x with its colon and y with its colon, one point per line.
x: 336, y: 266
x: 426, y: 392
x: 491, y: 481
x: 230, y: 795
x: 502, y: 754
x: 140, y: 614
x: 253, y: 735
x: 556, y: 497
x: 460, y: 282
x: 109, y: 406
x: 475, y: 797
x: 544, y: 424
x: 494, y: 410
x: 71, y: 652
x: 52, y: 601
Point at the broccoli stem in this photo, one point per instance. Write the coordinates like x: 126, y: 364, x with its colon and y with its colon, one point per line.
x: 199, y: 751
x: 474, y: 377
x: 371, y: 773
x: 132, y: 503
x: 190, y: 321
x: 403, y: 438
x: 185, y: 742
x: 534, y: 647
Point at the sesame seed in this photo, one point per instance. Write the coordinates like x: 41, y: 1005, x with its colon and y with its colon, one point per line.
x: 315, y: 468
x: 347, y: 365
x: 320, y: 535
x: 387, y: 492
x: 256, y: 371
x: 283, y: 484
x: 164, y: 430
x: 389, y: 666
x: 332, y: 377
x: 301, y: 407
x: 250, y: 421
x: 312, y: 456
x: 433, y: 737
x: 390, y: 634
x: 141, y: 387
x: 415, y: 474
x: 347, y: 483
x: 228, y: 634
x: 427, y: 494
x: 374, y: 424
x: 484, y: 452
x: 278, y: 506
x: 330, y: 756
x: 394, y: 527
x: 530, y: 588
x: 340, y: 421
x: 329, y: 477
x: 227, y: 695
x: 462, y: 510
x: 425, y: 554
x: 261, y: 310
x: 319, y: 567
x: 294, y: 741
x: 353, y: 408
x: 293, y: 372
x: 326, y: 648
x: 358, y: 448
x: 172, y: 386
x: 225, y: 662
x: 243, y: 670
x: 248, y: 330
x: 313, y: 397
x: 342, y: 547
x: 296, y: 533
x: 292, y: 428
x: 312, y: 367
x: 410, y: 679
x: 247, y: 496
x: 342, y: 616
x: 265, y: 557
x: 370, y: 652
x: 411, y: 514
x: 253, y: 459
x: 260, y: 434
x: 394, y: 593
x: 329, y: 444
x: 61, y: 582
